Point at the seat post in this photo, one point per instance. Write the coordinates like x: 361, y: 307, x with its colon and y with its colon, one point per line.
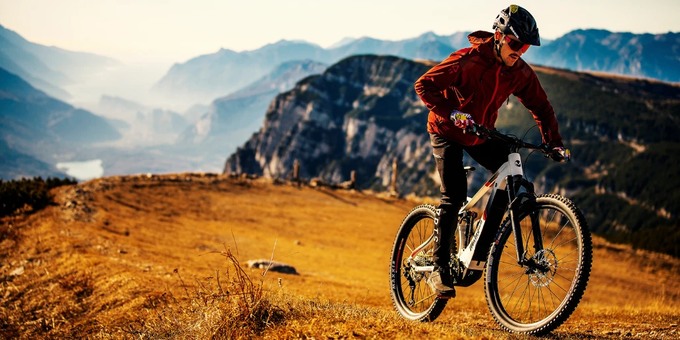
x: 468, y: 169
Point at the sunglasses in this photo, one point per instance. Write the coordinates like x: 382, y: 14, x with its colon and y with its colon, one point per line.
x: 516, y: 45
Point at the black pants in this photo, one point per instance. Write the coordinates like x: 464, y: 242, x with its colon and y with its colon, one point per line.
x: 449, y: 158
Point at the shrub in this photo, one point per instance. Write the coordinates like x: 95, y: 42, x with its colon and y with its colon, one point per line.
x: 16, y: 194
x: 232, y: 307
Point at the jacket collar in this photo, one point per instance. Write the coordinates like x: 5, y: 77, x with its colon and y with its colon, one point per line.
x: 483, y: 42
x: 480, y: 37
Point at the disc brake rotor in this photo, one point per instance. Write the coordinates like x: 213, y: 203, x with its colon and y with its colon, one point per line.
x: 546, y: 261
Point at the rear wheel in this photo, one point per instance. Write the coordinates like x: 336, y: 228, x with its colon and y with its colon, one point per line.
x: 535, y: 299
x: 414, y: 245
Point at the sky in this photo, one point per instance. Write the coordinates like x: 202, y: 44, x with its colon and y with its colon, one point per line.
x: 168, y: 31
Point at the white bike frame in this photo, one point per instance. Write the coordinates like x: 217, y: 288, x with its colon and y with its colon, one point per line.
x: 509, y: 169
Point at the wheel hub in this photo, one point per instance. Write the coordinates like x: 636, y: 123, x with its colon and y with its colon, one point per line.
x: 543, y: 273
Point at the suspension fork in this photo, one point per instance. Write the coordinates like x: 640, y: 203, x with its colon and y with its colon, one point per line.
x: 519, y: 201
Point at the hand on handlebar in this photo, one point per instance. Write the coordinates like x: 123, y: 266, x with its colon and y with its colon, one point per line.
x: 462, y: 120
x: 560, y: 154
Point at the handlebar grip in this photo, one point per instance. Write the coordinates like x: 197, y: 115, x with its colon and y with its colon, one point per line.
x: 478, y: 130
x: 556, y: 156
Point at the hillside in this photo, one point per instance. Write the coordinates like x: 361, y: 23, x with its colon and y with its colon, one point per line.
x: 125, y: 257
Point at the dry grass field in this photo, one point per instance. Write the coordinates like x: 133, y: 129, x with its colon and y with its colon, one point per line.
x: 150, y: 258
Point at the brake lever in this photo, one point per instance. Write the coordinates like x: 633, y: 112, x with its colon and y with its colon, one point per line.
x: 475, y: 131
x: 547, y: 153
x: 551, y: 153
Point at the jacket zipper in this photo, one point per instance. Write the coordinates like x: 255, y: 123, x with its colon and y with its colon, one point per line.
x: 493, y: 97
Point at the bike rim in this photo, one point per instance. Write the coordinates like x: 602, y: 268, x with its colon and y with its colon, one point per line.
x: 529, y: 297
x: 420, y: 299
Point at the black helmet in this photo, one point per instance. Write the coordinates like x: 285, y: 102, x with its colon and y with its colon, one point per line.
x: 519, y: 22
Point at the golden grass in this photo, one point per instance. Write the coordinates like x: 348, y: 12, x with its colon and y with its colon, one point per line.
x: 147, y: 263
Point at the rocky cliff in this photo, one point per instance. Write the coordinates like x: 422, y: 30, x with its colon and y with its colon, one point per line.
x: 358, y: 115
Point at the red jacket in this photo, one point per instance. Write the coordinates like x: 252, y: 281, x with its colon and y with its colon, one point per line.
x: 472, y: 80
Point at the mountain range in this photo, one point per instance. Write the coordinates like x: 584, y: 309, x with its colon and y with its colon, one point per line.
x: 643, y: 55
x: 47, y: 68
x: 640, y: 55
x: 362, y: 112
x: 214, y: 75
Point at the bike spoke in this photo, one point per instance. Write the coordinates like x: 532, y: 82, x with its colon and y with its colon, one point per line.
x: 544, y: 306
x: 560, y: 275
x: 531, y: 298
x: 551, y: 242
x: 514, y: 264
x: 404, y: 281
x: 510, y: 276
x: 521, y: 297
x: 548, y: 224
x: 416, y: 297
x: 510, y: 256
x: 551, y: 297
x: 571, y: 230
x: 556, y: 284
x: 510, y: 267
x: 563, y: 243
x: 563, y: 257
x: 433, y: 294
x: 507, y: 268
x: 509, y: 297
x: 409, y: 240
x: 565, y: 268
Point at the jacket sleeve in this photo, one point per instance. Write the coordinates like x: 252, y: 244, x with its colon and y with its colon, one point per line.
x: 434, y: 87
x: 534, y: 98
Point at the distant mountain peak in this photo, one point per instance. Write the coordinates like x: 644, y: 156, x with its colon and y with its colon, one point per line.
x: 344, y: 41
x: 429, y: 35
x: 284, y: 42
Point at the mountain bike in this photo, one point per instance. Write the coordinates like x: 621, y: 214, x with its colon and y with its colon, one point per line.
x: 536, y: 263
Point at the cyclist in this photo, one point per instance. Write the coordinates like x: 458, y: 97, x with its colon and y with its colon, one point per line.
x: 468, y: 87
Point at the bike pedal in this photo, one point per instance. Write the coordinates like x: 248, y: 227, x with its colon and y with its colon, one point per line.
x: 447, y: 295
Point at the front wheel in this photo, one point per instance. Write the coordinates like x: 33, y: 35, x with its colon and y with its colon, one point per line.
x: 538, y: 297
x: 414, y: 247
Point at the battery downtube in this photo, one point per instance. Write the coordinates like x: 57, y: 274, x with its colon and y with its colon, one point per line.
x: 514, y: 219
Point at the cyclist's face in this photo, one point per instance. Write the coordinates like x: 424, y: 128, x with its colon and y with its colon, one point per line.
x: 509, y: 55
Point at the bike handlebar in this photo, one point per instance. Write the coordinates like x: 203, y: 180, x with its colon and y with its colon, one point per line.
x: 482, y: 131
